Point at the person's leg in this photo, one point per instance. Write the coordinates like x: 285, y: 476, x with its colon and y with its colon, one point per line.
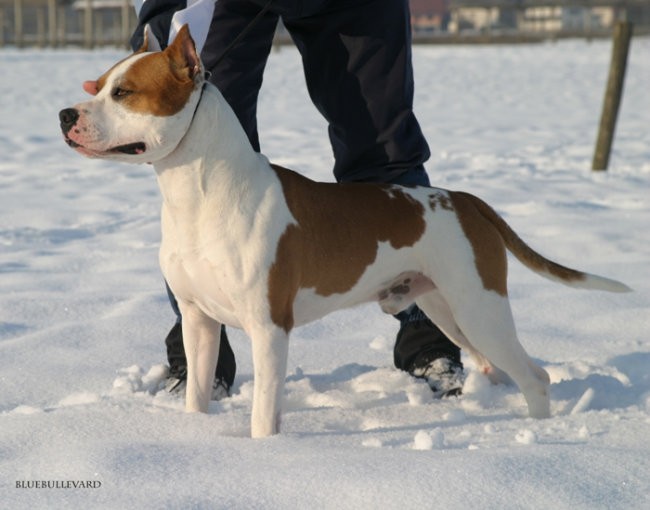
x: 357, y: 62
x: 239, y: 78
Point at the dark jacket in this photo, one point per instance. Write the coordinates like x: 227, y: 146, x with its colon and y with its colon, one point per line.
x: 158, y: 14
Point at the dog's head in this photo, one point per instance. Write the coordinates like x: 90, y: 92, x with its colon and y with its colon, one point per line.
x: 142, y: 107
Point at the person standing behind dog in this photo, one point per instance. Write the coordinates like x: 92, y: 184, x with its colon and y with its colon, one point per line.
x: 357, y: 63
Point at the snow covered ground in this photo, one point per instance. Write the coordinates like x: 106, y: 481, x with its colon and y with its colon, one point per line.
x: 83, y: 312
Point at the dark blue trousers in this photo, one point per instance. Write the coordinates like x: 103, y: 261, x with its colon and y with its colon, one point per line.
x: 357, y: 63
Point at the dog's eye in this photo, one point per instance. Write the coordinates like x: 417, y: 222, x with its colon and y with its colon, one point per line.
x: 119, y: 92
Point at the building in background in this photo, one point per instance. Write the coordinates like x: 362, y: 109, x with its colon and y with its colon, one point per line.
x: 429, y: 16
x: 52, y: 23
x: 90, y: 23
x: 553, y: 17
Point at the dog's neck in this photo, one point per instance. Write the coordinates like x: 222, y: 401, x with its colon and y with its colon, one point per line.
x: 213, y: 162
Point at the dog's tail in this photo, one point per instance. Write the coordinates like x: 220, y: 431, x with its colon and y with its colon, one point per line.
x: 540, y: 264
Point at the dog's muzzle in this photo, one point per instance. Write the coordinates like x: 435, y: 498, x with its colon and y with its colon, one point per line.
x: 68, y: 118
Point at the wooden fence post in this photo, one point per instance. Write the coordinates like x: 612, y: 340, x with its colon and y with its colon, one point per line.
x: 88, y: 25
x: 613, y: 94
x: 51, y: 22
x: 40, y: 27
x: 125, y: 32
x: 62, y: 34
x: 18, y: 23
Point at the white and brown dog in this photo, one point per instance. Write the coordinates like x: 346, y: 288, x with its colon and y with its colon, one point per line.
x: 260, y: 247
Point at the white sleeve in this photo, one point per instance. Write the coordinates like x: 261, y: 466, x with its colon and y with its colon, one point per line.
x: 198, y: 15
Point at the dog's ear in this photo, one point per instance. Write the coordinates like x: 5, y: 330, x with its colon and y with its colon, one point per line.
x: 182, y: 53
x: 150, y: 42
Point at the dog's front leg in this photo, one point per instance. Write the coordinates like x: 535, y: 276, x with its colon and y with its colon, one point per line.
x: 270, y: 350
x: 201, y: 343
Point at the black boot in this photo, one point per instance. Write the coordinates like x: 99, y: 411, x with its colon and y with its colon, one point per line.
x: 422, y: 350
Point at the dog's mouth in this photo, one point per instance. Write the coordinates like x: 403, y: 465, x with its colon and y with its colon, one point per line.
x: 129, y: 148
x: 72, y: 143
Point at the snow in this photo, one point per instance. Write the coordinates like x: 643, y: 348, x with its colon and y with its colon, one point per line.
x: 83, y: 311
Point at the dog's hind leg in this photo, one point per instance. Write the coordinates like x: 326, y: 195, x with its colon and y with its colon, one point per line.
x: 270, y: 351
x: 486, y: 319
x: 482, y: 320
x: 201, y: 343
x: 437, y: 309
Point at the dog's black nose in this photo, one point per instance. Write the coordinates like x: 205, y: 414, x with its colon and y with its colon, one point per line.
x: 68, y: 118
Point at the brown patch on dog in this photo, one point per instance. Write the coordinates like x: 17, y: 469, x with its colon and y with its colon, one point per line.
x: 103, y: 79
x: 161, y: 83
x: 440, y: 199
x: 337, y: 235
x: 518, y: 247
x: 487, y: 243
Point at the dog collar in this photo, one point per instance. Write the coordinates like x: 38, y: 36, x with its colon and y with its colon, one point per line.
x: 196, y: 109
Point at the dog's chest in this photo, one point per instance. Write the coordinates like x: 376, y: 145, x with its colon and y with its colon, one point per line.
x: 221, y: 261
x: 195, y: 278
